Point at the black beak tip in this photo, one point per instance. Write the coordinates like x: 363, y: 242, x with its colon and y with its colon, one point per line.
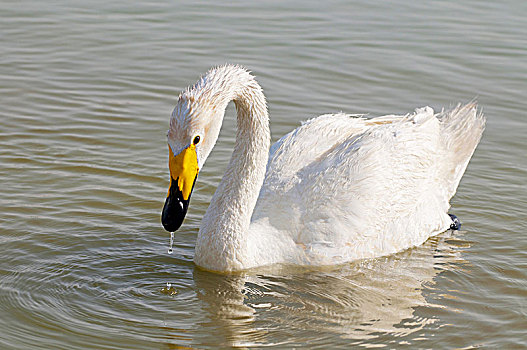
x: 173, y: 214
x: 174, y: 210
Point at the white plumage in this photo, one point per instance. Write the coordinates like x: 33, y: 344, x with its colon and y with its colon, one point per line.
x: 337, y: 188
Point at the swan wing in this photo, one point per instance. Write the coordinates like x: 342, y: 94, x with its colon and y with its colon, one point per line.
x: 342, y: 187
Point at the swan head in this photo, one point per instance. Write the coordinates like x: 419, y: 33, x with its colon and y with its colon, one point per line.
x: 194, y: 128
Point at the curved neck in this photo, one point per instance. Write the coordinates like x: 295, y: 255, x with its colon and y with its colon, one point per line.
x: 222, y: 238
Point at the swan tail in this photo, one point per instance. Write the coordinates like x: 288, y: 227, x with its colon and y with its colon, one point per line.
x: 461, y: 131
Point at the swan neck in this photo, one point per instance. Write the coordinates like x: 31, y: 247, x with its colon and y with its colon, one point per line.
x: 223, y: 235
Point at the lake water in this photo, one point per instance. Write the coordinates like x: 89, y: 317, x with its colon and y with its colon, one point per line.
x: 86, y: 90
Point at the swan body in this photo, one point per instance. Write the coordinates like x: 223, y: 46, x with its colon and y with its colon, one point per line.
x: 337, y: 188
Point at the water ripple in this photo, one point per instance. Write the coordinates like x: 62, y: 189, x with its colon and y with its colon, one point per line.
x: 86, y: 93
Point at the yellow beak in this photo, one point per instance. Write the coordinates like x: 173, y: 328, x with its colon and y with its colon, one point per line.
x: 184, y: 169
x: 183, y: 173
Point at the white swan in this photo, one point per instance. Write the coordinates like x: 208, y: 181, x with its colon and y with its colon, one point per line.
x: 337, y: 188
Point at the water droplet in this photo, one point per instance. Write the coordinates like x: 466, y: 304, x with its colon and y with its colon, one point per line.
x: 171, y: 243
x: 169, y: 290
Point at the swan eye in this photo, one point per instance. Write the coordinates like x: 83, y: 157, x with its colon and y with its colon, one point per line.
x: 196, y: 140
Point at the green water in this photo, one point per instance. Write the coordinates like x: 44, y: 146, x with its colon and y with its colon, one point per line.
x: 86, y: 90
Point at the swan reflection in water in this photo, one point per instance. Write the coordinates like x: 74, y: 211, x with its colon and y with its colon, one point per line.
x: 355, y: 303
